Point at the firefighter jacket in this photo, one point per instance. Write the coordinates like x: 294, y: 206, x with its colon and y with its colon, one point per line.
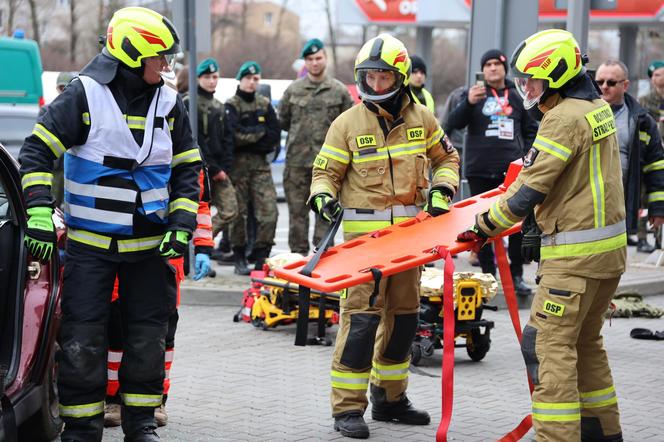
x: 655, y: 105
x: 214, y: 137
x: 572, y: 178
x: 306, y: 111
x: 645, y: 164
x: 422, y: 96
x: 500, y: 130
x: 253, y: 123
x: 378, y: 166
x: 131, y: 165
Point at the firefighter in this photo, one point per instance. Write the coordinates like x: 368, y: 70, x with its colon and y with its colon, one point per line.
x: 571, y: 178
x: 374, y: 162
x: 131, y: 196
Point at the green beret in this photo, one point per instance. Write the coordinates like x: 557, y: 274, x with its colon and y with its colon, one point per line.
x: 207, y: 66
x: 248, y: 68
x: 654, y: 65
x: 311, y: 47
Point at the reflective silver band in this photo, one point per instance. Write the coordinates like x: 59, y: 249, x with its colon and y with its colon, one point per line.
x: 582, y: 236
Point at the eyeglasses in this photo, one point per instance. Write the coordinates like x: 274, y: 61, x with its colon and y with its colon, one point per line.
x: 609, y: 83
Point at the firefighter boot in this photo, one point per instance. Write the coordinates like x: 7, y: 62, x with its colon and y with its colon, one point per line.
x: 145, y: 434
x: 240, y: 261
x: 402, y: 412
x: 351, y: 424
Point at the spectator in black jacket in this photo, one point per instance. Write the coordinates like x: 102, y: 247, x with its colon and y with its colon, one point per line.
x: 641, y: 152
x: 500, y: 130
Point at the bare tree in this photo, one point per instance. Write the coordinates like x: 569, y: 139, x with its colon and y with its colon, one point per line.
x: 282, y: 10
x: 35, y: 21
x: 333, y: 39
x: 243, y: 18
x: 73, y: 20
x: 13, y: 6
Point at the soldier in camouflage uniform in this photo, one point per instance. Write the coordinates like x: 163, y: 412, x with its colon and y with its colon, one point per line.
x: 255, y: 128
x: 654, y: 101
x: 306, y: 111
x: 216, y: 144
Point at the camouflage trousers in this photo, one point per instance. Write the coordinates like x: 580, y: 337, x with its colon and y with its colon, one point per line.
x: 254, y: 185
x: 297, y: 181
x: 225, y: 200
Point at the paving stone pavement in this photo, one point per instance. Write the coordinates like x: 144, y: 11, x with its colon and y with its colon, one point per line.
x: 234, y: 382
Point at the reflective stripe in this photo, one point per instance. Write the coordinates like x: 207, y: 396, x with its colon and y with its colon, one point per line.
x: 560, y: 412
x: 583, y: 236
x: 36, y: 178
x: 183, y: 204
x: 169, y: 356
x: 364, y: 226
x: 408, y: 211
x: 97, y: 191
x: 597, y: 186
x: 104, y: 216
x: 500, y: 217
x: 584, y: 249
x: 643, y: 136
x: 435, y: 138
x: 141, y: 400
x: 551, y: 147
x: 204, y: 219
x: 139, y: 244
x: 154, y: 195
x: 114, y: 356
x: 349, y: 381
x: 396, y: 372
x: 412, y: 148
x: 188, y: 156
x: 49, y: 139
x: 112, y: 375
x: 85, y: 118
x: 446, y: 172
x: 135, y: 122
x: 335, y: 153
x: 91, y: 239
x: 599, y: 398
x: 362, y: 221
x: 85, y: 410
x: 202, y: 233
x: 171, y: 123
x: 364, y: 156
x: 655, y: 196
x: 657, y: 165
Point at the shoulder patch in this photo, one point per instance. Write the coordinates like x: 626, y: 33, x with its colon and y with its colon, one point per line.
x: 530, y: 157
x: 365, y: 141
x: 415, y: 133
x: 320, y: 162
x: 447, y: 144
x: 602, y: 122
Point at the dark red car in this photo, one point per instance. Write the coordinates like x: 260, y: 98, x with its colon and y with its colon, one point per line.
x: 29, y: 320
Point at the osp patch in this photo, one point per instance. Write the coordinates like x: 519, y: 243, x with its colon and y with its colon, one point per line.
x: 553, y: 308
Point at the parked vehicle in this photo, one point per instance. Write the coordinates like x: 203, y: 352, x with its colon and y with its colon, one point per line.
x: 20, y: 82
x: 29, y: 320
x: 16, y: 123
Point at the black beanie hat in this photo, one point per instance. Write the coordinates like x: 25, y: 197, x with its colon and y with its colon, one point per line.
x: 417, y: 64
x: 494, y: 54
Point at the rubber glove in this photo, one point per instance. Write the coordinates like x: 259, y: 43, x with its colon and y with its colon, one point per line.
x: 174, y: 244
x: 476, y: 235
x: 202, y: 266
x: 438, y: 204
x: 40, y: 235
x: 326, y: 207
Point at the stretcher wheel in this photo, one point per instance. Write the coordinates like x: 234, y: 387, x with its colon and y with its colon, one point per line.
x: 264, y: 326
x: 257, y: 322
x: 415, y: 354
x: 478, y: 344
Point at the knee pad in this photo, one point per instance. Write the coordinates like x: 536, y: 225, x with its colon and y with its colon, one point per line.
x: 528, y: 341
x: 143, y: 358
x: 82, y: 359
x: 358, y: 349
x: 403, y: 333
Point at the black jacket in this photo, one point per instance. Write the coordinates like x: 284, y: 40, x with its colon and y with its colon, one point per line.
x: 214, y: 136
x: 645, y: 164
x: 253, y: 123
x: 64, y: 119
x: 487, y: 156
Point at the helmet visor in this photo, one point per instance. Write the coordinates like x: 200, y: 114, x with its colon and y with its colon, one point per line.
x: 530, y: 89
x: 378, y: 85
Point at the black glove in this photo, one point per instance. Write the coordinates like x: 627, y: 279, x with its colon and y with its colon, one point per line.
x: 531, y: 241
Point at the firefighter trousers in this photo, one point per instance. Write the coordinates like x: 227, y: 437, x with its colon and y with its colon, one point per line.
x: 373, y: 342
x: 574, y: 397
x: 148, y: 293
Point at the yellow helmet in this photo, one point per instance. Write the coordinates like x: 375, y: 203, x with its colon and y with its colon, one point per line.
x: 136, y: 33
x: 552, y: 55
x: 382, y: 53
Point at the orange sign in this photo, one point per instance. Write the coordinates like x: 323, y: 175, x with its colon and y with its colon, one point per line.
x: 624, y: 8
x: 389, y: 11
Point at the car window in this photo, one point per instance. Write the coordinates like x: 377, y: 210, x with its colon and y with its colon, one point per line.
x: 4, y: 204
x: 13, y: 130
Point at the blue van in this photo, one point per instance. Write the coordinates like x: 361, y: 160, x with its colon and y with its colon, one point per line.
x: 20, y: 77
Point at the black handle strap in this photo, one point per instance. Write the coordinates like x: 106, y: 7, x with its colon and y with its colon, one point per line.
x: 377, y: 276
x: 304, y: 293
